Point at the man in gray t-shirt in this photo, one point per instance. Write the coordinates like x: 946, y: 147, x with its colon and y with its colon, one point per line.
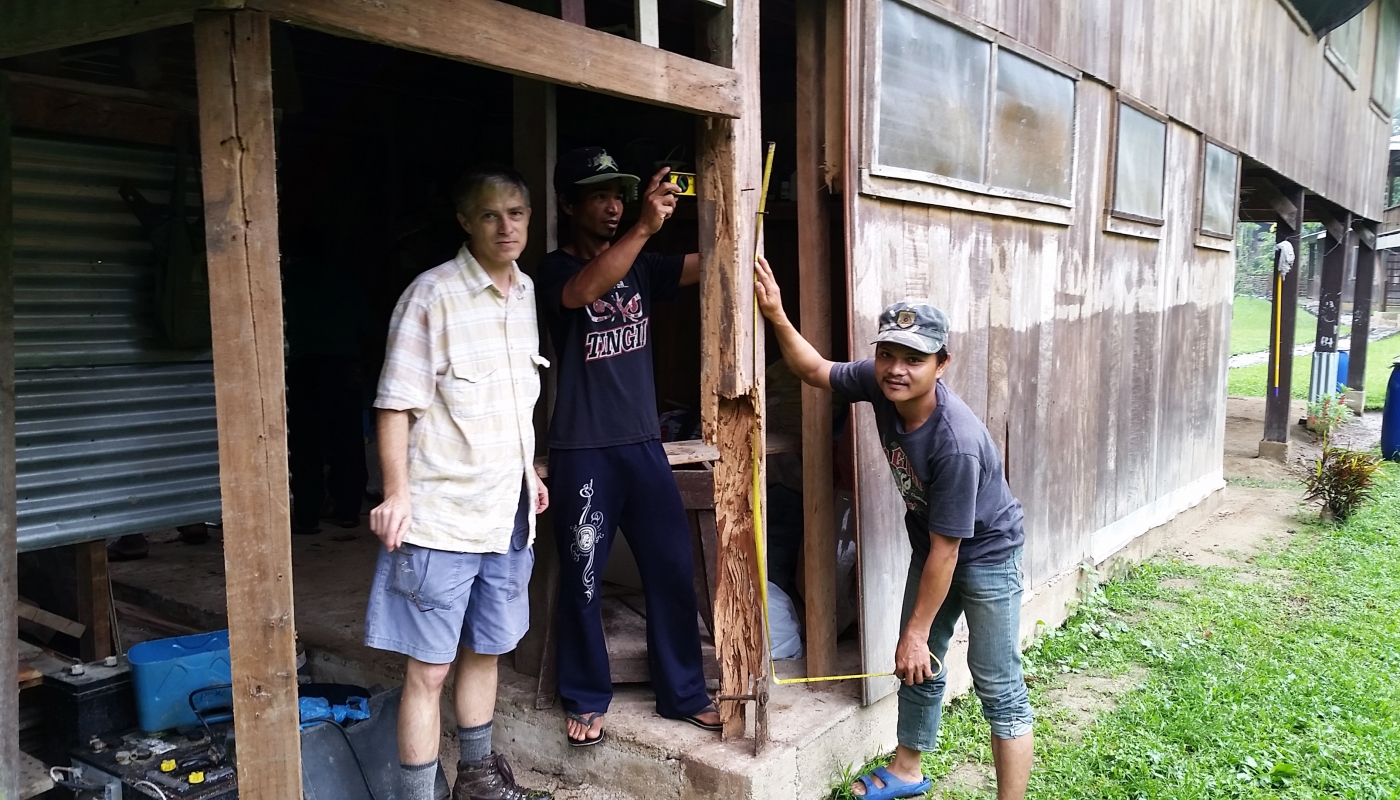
x: 963, y: 522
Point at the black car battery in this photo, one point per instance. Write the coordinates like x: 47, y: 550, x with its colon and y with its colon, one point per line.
x: 84, y: 701
x: 189, y: 767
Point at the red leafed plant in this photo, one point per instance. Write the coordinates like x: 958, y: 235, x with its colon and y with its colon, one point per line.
x: 1342, y: 480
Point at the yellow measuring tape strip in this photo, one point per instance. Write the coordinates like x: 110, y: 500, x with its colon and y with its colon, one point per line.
x: 756, y: 497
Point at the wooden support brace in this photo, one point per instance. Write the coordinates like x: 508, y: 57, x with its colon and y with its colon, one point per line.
x: 94, y: 600
x: 9, y: 588
x: 32, y: 26
x: 814, y: 269
x: 732, y: 362
x: 234, y: 70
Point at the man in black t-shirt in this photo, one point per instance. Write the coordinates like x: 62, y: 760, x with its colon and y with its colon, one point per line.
x: 607, y: 468
x: 965, y: 526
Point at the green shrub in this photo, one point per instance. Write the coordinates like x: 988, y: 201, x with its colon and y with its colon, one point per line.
x: 1342, y: 480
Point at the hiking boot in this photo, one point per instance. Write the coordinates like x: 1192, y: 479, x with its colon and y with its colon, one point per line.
x: 492, y: 779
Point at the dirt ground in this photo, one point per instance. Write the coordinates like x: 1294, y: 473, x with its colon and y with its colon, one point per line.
x: 1262, y: 505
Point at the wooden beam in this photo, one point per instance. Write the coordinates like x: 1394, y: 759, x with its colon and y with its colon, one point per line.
x: 814, y: 270
x: 1361, y: 308
x: 1337, y: 229
x: 50, y: 620
x: 1365, y: 234
x: 1278, y: 394
x: 732, y: 361
x: 94, y: 600
x: 1269, y: 195
x: 493, y: 34
x: 9, y: 543
x: 234, y: 70
x: 648, y: 22
x: 32, y: 26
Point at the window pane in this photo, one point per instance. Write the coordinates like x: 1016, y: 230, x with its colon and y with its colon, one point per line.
x: 1032, y: 145
x: 1346, y: 41
x: 1218, y: 202
x: 933, y: 95
x: 1387, y: 57
x: 1142, y: 151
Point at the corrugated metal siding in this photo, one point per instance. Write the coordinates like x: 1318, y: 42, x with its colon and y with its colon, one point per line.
x: 112, y: 437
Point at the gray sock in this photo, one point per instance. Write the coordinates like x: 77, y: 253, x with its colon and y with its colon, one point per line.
x: 475, y: 744
x: 418, y: 780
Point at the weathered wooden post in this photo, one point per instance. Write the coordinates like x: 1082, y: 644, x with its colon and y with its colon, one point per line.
x: 1278, y: 393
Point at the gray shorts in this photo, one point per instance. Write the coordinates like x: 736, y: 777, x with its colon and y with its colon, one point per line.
x: 427, y: 603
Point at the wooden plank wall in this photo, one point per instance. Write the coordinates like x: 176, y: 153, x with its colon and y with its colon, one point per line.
x: 1240, y: 70
x: 1097, y: 359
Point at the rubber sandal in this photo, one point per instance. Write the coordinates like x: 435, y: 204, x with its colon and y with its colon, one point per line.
x: 586, y: 719
x: 893, y: 788
x: 693, y: 719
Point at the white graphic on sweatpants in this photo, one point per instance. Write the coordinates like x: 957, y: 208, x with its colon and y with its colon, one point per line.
x: 587, y: 533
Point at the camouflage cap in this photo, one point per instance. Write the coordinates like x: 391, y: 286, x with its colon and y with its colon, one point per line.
x: 918, y: 326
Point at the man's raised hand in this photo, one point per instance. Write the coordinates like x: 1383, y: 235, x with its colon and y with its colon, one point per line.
x: 658, y: 202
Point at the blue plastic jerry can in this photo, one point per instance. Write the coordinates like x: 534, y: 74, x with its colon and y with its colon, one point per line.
x: 1390, y: 418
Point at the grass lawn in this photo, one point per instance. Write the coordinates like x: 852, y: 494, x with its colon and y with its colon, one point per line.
x: 1273, y: 680
x: 1249, y: 326
x: 1253, y: 381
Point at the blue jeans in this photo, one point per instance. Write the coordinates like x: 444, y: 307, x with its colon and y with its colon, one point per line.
x: 990, y: 595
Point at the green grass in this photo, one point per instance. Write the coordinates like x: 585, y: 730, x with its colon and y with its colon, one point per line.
x: 1253, y: 381
x: 1250, y: 319
x: 1282, y: 687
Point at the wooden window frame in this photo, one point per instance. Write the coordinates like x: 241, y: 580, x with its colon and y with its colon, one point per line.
x: 1122, y: 99
x: 1351, y: 73
x: 929, y: 188
x: 1386, y: 114
x: 1206, y: 143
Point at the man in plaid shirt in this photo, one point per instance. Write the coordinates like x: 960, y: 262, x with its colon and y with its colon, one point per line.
x: 457, y: 441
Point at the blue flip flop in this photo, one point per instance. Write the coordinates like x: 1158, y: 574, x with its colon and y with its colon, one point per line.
x: 893, y: 788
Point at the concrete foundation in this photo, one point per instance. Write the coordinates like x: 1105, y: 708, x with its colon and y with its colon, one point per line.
x: 1355, y: 400
x: 1274, y: 451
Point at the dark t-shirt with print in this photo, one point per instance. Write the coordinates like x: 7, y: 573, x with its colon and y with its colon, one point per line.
x: 948, y: 470
x: 606, y: 392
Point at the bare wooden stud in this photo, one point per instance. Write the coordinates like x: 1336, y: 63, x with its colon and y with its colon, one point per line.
x: 732, y: 362
x: 573, y: 12
x: 1284, y: 318
x: 94, y: 600
x: 648, y: 22
x: 814, y: 269
x: 9, y: 543
x: 234, y: 70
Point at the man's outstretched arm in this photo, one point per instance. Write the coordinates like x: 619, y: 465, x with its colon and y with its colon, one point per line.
x: 801, y: 357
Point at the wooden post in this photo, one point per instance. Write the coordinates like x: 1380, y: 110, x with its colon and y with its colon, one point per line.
x: 234, y: 70
x: 732, y: 362
x: 1329, y: 301
x: 1282, y: 321
x: 814, y: 267
x: 9, y: 544
x: 648, y: 22
x: 1355, y: 378
x: 94, y: 600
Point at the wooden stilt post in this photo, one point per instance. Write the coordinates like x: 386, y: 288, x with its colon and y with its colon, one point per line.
x: 1279, y: 383
x: 814, y: 260
x: 1336, y: 251
x: 732, y: 368
x: 9, y: 598
x: 234, y: 69
x: 1355, y: 379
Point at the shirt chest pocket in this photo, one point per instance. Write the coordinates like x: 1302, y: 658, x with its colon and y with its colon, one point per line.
x: 470, y: 388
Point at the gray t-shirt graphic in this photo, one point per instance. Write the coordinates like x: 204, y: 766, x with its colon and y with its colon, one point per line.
x: 948, y: 470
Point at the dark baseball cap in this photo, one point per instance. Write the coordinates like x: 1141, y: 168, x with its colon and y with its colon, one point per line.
x: 589, y: 165
x: 918, y: 326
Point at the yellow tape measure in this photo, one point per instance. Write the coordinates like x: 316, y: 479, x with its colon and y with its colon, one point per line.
x: 760, y: 546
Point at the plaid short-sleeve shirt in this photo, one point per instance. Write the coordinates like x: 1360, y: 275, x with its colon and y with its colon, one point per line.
x: 463, y: 360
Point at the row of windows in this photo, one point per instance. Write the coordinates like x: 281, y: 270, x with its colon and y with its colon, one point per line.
x: 1345, y: 45
x: 961, y: 110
